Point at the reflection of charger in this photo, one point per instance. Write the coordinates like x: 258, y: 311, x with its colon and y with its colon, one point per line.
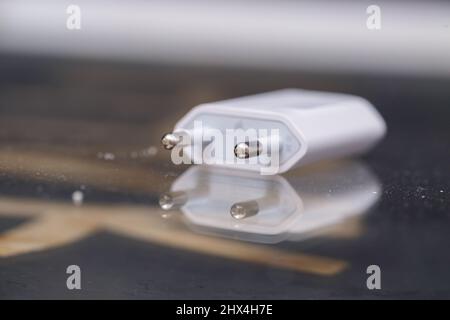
x: 277, y: 130
x: 252, y: 207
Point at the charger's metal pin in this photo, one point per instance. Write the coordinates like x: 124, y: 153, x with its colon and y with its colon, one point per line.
x: 170, y: 140
x: 172, y: 200
x: 245, y: 150
x: 245, y: 209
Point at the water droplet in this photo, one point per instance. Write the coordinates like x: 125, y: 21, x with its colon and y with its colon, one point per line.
x: 77, y: 198
x: 109, y: 156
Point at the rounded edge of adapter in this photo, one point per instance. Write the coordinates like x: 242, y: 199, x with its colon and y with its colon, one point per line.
x: 381, y: 122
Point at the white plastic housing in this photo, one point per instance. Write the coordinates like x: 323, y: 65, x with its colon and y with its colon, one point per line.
x: 313, y: 125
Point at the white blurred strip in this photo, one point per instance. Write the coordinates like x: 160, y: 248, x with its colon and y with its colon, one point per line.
x: 317, y: 36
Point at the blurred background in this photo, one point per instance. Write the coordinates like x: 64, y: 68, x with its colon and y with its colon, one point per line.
x: 82, y: 111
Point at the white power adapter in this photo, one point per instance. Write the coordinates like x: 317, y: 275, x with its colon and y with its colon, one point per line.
x: 276, y: 131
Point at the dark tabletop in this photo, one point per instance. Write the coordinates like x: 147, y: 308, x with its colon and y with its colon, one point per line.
x: 94, y: 127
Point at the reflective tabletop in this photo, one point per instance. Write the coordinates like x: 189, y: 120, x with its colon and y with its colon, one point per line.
x: 84, y: 181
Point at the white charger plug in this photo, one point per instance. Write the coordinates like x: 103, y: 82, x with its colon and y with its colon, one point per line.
x: 276, y: 131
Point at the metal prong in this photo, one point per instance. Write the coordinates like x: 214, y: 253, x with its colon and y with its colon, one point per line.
x: 170, y: 140
x: 245, y: 209
x: 172, y: 200
x: 245, y: 150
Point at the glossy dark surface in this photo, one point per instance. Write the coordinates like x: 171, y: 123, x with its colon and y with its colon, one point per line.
x: 95, y: 127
